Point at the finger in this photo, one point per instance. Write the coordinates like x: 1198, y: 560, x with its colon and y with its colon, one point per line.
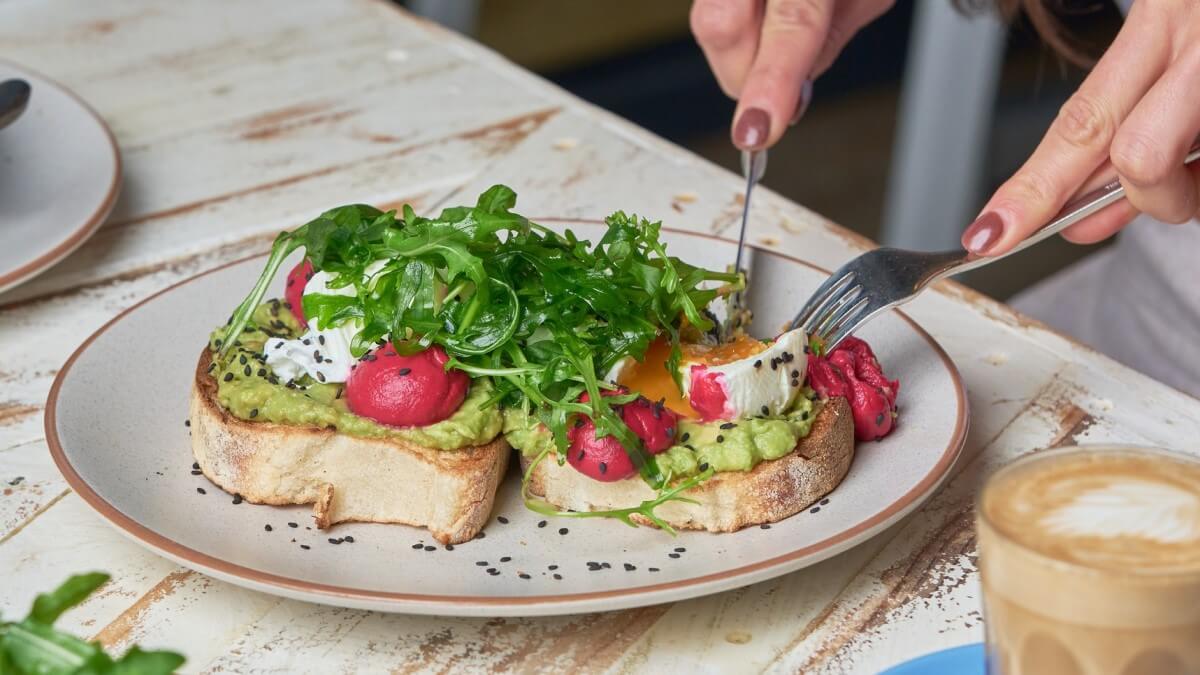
x: 1077, y: 142
x: 1150, y: 147
x: 849, y: 18
x: 1107, y: 221
x: 792, y: 36
x: 728, y: 32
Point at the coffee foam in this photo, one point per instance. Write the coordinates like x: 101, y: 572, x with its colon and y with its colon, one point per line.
x: 1124, y: 512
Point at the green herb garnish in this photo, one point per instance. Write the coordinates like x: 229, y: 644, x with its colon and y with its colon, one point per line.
x: 544, y: 315
x: 33, y: 646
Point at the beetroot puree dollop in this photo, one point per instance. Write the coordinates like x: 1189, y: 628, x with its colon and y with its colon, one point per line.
x: 297, y: 279
x: 605, y: 459
x: 405, y: 391
x: 853, y: 372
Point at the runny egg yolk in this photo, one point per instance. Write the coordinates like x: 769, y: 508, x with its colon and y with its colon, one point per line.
x: 650, y: 378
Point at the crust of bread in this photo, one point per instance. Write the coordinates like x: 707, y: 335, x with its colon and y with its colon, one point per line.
x: 346, y: 478
x: 730, y: 500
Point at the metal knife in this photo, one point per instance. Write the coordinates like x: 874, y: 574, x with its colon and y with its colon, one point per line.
x: 754, y: 165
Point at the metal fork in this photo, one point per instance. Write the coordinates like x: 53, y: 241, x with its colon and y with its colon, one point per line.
x: 884, y: 278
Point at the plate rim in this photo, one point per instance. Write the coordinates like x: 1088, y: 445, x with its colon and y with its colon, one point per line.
x: 26, y: 271
x: 556, y: 603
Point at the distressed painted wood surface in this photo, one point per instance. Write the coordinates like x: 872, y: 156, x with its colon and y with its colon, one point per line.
x: 239, y: 119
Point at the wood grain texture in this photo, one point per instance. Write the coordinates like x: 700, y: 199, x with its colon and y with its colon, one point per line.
x: 239, y: 123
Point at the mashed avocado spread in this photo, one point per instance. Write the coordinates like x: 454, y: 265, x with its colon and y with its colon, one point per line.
x: 248, y: 389
x: 740, y: 447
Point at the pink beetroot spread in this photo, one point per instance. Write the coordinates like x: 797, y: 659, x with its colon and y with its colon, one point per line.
x: 297, y: 279
x: 405, y: 390
x: 853, y: 372
x: 605, y: 459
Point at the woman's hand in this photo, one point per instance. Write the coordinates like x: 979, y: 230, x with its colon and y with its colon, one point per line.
x: 1136, y: 115
x: 766, y: 54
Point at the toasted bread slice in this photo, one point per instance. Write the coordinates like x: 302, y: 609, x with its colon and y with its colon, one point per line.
x: 730, y: 500
x: 346, y: 478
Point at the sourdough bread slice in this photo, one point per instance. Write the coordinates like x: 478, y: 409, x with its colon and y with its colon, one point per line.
x: 730, y: 500
x: 346, y: 478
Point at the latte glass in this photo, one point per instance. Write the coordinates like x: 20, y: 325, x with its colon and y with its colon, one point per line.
x: 1090, y: 562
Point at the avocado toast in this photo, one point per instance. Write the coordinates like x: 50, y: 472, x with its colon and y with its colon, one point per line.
x: 408, y: 354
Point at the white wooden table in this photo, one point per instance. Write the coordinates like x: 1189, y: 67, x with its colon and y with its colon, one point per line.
x: 240, y: 119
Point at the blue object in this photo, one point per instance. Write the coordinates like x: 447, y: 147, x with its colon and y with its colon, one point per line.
x: 964, y: 660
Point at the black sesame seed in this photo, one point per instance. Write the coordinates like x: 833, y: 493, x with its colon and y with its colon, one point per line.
x: 795, y: 373
x: 541, y: 523
x: 506, y: 558
x: 321, y: 339
x: 563, y: 530
x: 629, y: 568
x: 242, y: 359
x: 418, y: 547
x: 293, y: 525
x: 201, y: 491
x: 720, y: 438
x: 305, y: 546
x: 493, y: 571
x: 652, y: 569
x: 728, y: 425
x: 403, y: 371
x: 430, y: 548
x: 247, y: 370
x: 703, y: 467
x: 335, y: 542
x: 603, y: 468
x: 758, y: 363
x: 807, y: 350
x: 237, y: 499
x: 814, y: 509
x: 824, y: 501
x: 523, y: 575
x: 321, y: 377
x: 502, y: 519
x: 684, y: 438
x: 766, y: 411
x: 558, y: 577
x: 197, y: 472
x: 672, y: 555
x: 606, y: 565
x: 253, y: 413
x: 480, y: 535
x: 228, y: 377
x: 787, y: 357
x: 262, y: 372
x: 765, y: 526
x: 681, y: 550
x: 552, y: 567
x: 306, y: 342
x: 879, y: 418
x: 369, y: 357
x: 774, y: 364
x: 578, y: 422
x: 280, y: 345
x: 481, y: 563
x: 317, y: 355
x: 795, y: 383
x: 804, y: 416
x: 187, y: 423
x: 268, y: 528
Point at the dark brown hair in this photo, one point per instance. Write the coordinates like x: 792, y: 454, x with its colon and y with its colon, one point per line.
x: 1043, y: 15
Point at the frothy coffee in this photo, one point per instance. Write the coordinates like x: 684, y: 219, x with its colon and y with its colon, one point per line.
x: 1090, y: 562
x: 1120, y: 512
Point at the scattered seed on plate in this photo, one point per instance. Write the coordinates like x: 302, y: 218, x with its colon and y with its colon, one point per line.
x: 493, y: 571
x: 824, y: 501
x: 348, y: 539
x: 558, y: 577
x: 506, y: 558
x: 293, y: 525
x: 629, y: 568
x: 430, y: 548
x: 502, y: 519
x: 541, y: 523
x: 449, y: 547
x: 268, y: 528
x: 552, y: 567
x: 201, y: 491
x: 672, y: 555
x: 187, y: 423
x: 563, y: 530
x: 335, y: 541
x: 606, y: 565
x: 418, y: 547
x: 765, y: 526
x: 195, y: 465
x: 305, y: 546
x: 681, y: 550
x: 237, y: 499
x: 481, y: 563
x: 197, y: 472
x: 523, y: 575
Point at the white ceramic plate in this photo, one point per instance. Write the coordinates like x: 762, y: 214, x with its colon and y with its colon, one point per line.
x: 59, y: 177
x: 115, y: 424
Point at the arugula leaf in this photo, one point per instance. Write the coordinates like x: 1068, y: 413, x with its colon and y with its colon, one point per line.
x: 545, y: 315
x: 34, y: 647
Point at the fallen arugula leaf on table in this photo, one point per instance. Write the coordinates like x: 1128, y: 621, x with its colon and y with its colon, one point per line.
x: 34, y: 647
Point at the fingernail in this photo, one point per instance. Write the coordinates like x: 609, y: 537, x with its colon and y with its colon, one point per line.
x: 806, y: 92
x: 752, y: 129
x: 983, y: 234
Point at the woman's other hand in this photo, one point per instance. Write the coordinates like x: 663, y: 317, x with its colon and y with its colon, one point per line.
x: 766, y: 54
x: 1136, y: 115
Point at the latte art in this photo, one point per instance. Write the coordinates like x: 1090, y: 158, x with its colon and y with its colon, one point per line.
x: 1129, y: 508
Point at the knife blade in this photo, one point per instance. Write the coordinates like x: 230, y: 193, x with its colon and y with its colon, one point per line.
x: 754, y: 165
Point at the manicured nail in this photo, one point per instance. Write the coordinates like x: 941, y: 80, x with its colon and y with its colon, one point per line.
x: 983, y: 234
x: 752, y: 129
x: 806, y: 92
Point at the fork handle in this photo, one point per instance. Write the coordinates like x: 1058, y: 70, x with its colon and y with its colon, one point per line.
x: 1072, y: 213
